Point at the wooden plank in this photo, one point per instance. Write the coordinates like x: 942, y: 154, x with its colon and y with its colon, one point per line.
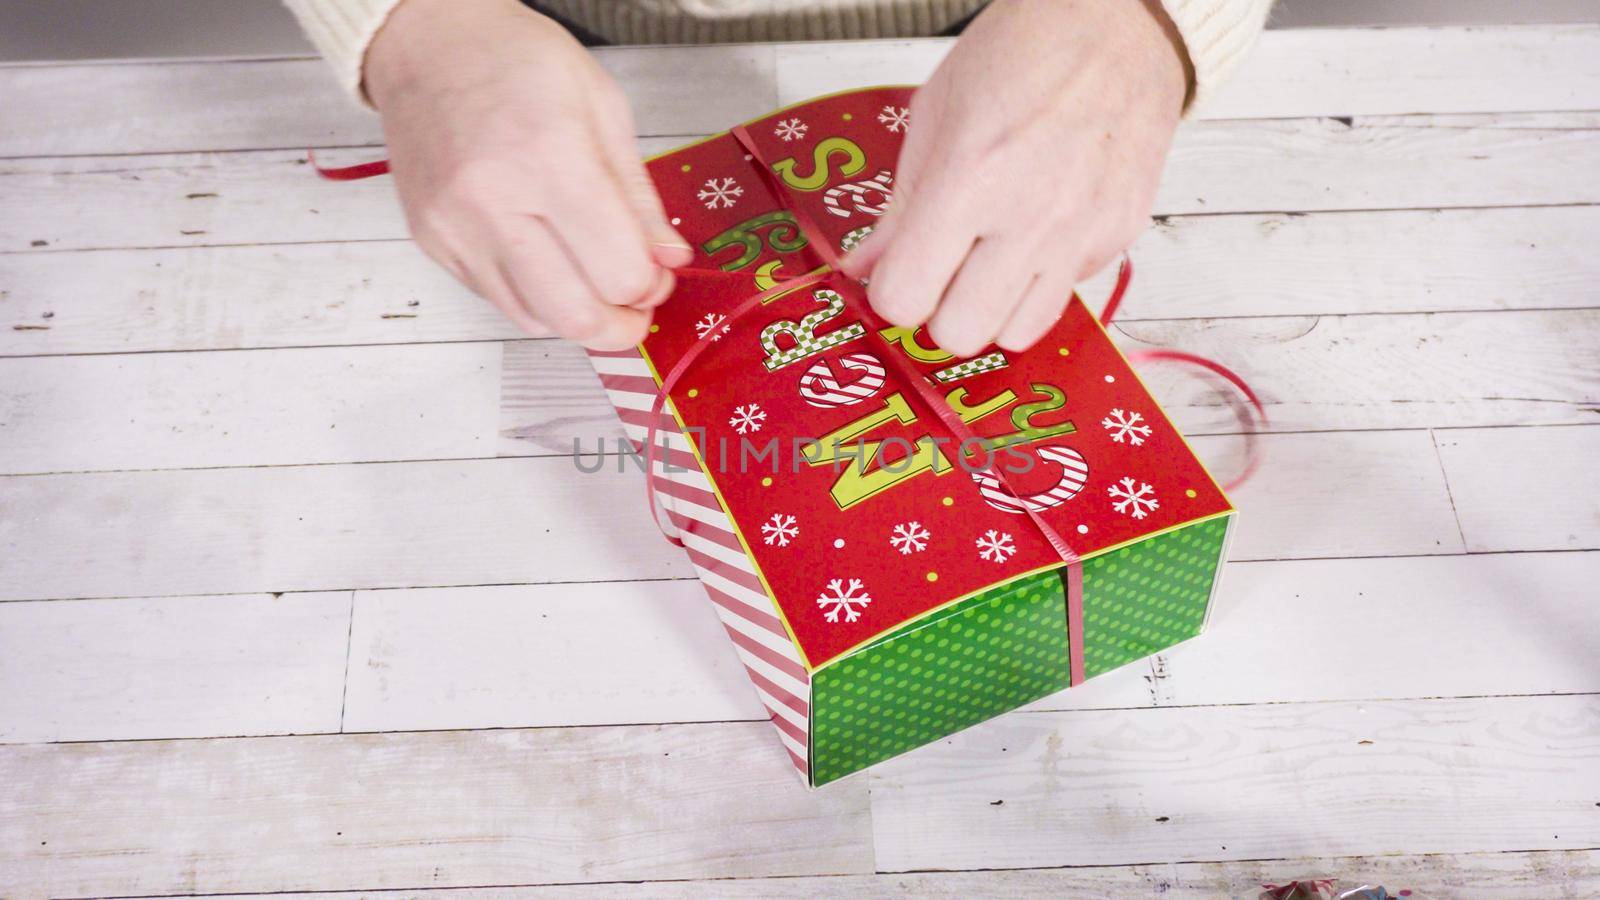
x: 1488, y: 876
x: 1250, y: 782
x: 209, y: 298
x: 1403, y: 371
x: 463, y: 400
x: 633, y: 652
x: 1283, y: 165
x: 172, y: 667
x: 541, y: 520
x: 521, y: 655
x: 1301, y: 72
x: 440, y: 809
x: 1524, y: 490
x: 176, y: 106
x: 251, y: 104
x: 1314, y: 373
x: 204, y: 531
x: 168, y: 410
x: 1350, y: 493
x: 1356, y: 629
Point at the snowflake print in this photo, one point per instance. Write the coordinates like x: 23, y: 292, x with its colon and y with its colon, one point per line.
x: 790, y: 130
x: 720, y: 192
x: 1127, y: 499
x: 780, y: 530
x: 748, y: 418
x: 995, y: 546
x: 708, y: 325
x: 1126, y: 426
x: 895, y: 118
x: 842, y: 597
x: 909, y: 538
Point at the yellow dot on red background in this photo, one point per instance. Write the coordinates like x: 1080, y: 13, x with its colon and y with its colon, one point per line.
x: 694, y: 392
x: 933, y: 576
x: 686, y: 167
x: 766, y: 482
x: 654, y: 328
x: 848, y: 117
x: 1064, y: 351
x: 949, y: 501
x: 1190, y: 493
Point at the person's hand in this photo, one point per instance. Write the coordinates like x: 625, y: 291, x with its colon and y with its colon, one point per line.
x: 1032, y: 160
x: 514, y: 156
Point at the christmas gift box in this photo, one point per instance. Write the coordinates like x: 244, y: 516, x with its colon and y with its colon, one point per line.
x: 899, y: 543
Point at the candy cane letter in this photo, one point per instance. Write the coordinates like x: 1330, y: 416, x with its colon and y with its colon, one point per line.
x: 1074, y: 472
x: 854, y: 162
x: 820, y: 386
x: 804, y: 333
x: 858, y: 192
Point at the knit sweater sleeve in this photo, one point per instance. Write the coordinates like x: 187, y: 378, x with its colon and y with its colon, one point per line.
x: 342, y: 30
x: 1216, y: 33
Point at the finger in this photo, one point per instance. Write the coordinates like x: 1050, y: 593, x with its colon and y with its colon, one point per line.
x: 859, y: 263
x: 914, y: 159
x: 1040, y: 309
x: 928, y: 246
x: 982, y: 296
x: 615, y: 133
x: 665, y: 281
x: 547, y: 283
x: 585, y: 208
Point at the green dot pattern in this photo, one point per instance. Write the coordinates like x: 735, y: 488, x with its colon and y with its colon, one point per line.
x: 987, y: 655
x: 1006, y: 647
x: 1148, y: 596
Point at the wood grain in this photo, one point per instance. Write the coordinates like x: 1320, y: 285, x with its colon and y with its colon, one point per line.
x: 1251, y: 782
x: 412, y: 810
x: 173, y: 410
x: 172, y: 667
x: 510, y: 656
x: 208, y: 298
x: 1525, y: 490
x: 475, y: 400
x: 234, y: 105
x: 1279, y: 165
x: 1313, y: 373
x: 1491, y: 876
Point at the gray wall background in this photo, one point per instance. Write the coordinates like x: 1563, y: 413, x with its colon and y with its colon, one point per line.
x: 114, y: 29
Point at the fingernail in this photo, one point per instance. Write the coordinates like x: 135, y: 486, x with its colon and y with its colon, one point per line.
x: 672, y: 245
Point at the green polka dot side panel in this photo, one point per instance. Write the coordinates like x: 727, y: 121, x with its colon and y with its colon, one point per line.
x: 1148, y: 596
x: 991, y: 654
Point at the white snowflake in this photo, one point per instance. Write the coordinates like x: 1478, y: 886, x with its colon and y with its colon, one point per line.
x: 723, y: 192
x: 790, y: 129
x: 909, y: 537
x: 841, y: 597
x: 995, y: 546
x: 1126, y: 498
x: 780, y: 530
x: 708, y: 324
x: 748, y: 418
x: 1126, y: 426
x: 895, y: 118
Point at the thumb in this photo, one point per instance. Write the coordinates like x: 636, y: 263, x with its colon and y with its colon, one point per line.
x: 667, y: 246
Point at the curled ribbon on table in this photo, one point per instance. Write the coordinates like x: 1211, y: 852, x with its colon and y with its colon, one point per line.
x: 926, y: 392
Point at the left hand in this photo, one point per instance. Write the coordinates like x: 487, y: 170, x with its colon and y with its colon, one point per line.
x: 1032, y: 160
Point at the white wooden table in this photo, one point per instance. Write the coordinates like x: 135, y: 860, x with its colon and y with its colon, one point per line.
x: 304, y: 594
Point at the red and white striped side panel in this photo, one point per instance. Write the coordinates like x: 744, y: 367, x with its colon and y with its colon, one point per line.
x: 741, y: 602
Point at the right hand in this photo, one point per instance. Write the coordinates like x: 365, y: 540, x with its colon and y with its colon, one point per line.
x: 513, y: 153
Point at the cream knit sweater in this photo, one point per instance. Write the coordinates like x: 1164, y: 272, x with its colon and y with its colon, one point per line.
x: 1215, y: 32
